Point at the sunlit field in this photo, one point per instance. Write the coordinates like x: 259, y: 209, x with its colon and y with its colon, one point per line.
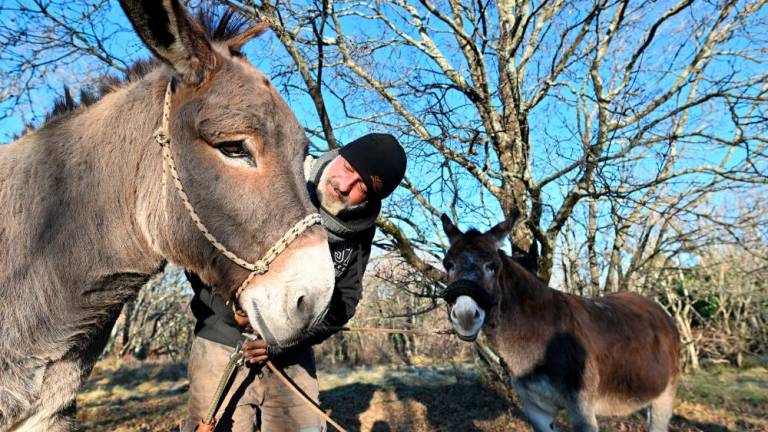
x: 151, y: 396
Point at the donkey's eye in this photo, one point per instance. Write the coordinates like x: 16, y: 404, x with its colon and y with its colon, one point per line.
x: 235, y: 150
x: 232, y: 148
x: 448, y: 266
x: 491, y: 267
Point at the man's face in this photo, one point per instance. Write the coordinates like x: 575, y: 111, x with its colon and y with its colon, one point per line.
x: 341, y: 187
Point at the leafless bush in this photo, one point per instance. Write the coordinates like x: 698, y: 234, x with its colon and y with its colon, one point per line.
x: 721, y: 306
x: 395, y: 297
x: 158, y: 322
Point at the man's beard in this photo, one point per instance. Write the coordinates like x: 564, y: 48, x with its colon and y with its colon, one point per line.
x: 336, y: 207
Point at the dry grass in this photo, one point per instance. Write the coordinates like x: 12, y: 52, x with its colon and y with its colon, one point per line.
x: 150, y: 396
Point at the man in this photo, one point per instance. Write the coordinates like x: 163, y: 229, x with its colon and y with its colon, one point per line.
x: 347, y: 185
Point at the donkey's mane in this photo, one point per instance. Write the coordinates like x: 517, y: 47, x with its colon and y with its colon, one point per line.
x: 220, y: 25
x: 527, y: 277
x: 472, y: 233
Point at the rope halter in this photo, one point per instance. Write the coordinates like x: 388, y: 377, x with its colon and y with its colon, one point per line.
x: 261, y: 266
x: 466, y: 287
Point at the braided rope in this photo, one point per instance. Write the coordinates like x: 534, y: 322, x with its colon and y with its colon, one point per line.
x: 280, y: 374
x: 259, y: 267
x: 235, y: 360
x: 295, y: 389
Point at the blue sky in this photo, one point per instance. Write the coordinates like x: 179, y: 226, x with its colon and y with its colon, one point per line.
x: 554, y: 134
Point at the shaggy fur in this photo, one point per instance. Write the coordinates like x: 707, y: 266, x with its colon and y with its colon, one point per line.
x: 84, y: 221
x: 608, y: 356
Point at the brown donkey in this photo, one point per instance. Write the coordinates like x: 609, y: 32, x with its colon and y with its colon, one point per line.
x: 88, y: 213
x: 608, y: 356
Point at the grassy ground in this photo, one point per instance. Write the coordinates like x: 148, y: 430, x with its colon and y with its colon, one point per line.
x: 150, y: 396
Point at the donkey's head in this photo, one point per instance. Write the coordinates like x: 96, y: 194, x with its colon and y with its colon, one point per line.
x: 473, y: 262
x: 238, y: 150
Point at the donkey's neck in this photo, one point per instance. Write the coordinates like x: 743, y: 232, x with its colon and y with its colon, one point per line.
x: 108, y: 172
x: 521, y: 288
x: 527, y: 313
x: 75, y: 224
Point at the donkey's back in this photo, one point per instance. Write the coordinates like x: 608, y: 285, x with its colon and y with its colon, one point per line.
x: 608, y: 356
x: 632, y: 347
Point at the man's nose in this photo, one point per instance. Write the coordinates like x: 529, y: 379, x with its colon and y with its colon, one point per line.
x: 346, y: 183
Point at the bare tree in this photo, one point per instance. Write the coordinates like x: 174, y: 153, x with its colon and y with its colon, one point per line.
x: 631, y: 134
x: 158, y: 322
x: 532, y: 104
x: 538, y: 105
x: 619, y: 128
x: 48, y: 44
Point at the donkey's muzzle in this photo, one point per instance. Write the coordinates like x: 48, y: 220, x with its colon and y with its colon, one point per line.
x: 294, y: 294
x: 472, y: 289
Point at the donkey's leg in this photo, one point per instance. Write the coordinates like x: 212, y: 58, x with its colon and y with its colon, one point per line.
x: 43, y: 421
x: 54, y: 411
x: 584, y: 422
x: 582, y: 415
x: 540, y: 414
x: 661, y: 410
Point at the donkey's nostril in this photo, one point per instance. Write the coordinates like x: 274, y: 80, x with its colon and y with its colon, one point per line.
x: 477, y: 314
x: 453, y: 314
x: 300, y: 303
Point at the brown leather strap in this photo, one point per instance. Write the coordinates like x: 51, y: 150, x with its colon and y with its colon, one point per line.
x: 203, y: 427
x: 312, y: 405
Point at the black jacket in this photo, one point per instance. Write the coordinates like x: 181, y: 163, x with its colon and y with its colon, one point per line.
x: 350, y: 251
x: 215, y: 320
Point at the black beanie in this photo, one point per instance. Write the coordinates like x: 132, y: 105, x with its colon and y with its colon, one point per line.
x: 379, y: 159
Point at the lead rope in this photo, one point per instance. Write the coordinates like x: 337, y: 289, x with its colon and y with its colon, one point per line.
x: 208, y: 423
x: 312, y: 404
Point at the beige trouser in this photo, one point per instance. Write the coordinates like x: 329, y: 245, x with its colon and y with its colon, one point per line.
x: 256, y: 399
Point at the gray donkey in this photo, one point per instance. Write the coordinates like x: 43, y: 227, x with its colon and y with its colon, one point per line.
x: 91, y: 210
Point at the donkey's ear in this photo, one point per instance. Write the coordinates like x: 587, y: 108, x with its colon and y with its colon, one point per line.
x: 450, y: 229
x: 500, y: 232
x: 529, y: 260
x: 236, y: 43
x: 167, y: 29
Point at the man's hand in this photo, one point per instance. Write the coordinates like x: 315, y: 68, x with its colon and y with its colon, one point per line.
x: 255, y: 351
x: 242, y: 321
